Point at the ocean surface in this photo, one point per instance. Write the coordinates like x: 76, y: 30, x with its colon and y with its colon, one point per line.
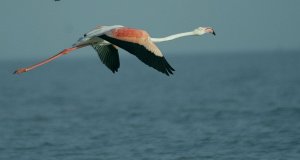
x: 243, y: 106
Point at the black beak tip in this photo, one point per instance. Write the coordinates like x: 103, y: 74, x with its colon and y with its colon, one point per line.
x: 214, y: 33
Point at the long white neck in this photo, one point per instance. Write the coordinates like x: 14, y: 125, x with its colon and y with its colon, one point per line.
x: 172, y: 37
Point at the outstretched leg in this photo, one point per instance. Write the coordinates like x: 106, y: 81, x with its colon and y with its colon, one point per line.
x: 63, y: 52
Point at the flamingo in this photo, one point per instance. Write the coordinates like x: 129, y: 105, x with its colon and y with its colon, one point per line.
x: 106, y: 40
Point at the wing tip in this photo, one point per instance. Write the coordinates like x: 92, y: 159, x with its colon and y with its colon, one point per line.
x: 114, y: 70
x: 168, y: 69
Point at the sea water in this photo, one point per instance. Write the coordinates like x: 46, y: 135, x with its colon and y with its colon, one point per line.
x: 215, y: 107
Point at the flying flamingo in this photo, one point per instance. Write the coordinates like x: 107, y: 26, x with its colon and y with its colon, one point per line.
x: 106, y: 39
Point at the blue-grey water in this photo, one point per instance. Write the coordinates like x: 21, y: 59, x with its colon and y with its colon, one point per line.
x: 215, y: 107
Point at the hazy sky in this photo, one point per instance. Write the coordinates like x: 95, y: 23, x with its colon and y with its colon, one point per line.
x: 40, y: 28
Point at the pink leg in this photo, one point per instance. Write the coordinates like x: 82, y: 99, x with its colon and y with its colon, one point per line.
x: 63, y: 52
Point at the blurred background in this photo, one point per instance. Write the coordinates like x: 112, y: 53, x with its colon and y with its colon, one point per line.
x: 35, y: 29
x: 233, y: 96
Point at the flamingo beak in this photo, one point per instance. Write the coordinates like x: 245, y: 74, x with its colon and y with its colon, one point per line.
x: 214, y: 33
x: 210, y: 30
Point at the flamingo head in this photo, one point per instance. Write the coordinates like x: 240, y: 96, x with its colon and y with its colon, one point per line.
x: 202, y: 30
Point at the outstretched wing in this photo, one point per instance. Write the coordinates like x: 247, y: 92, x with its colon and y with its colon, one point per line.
x: 109, y: 55
x: 137, y: 43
